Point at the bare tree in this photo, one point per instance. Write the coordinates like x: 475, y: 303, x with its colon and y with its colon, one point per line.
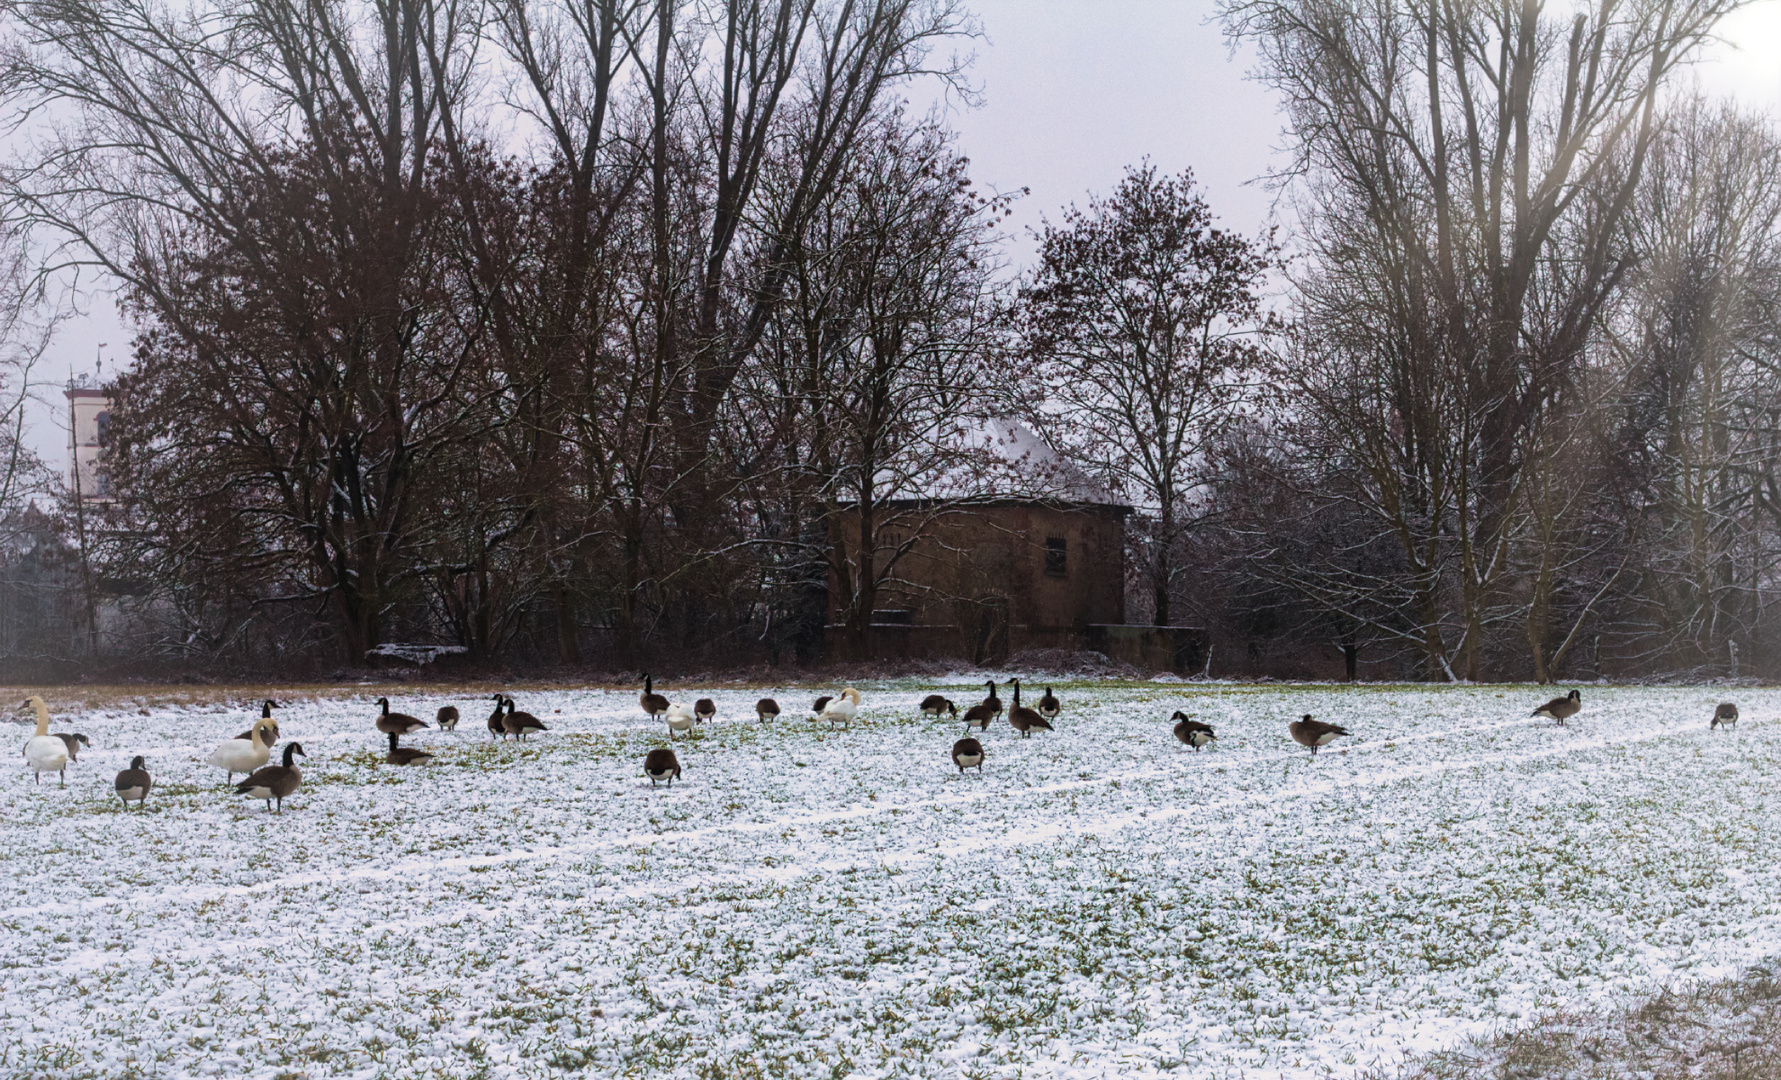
x: 1500, y: 147
x: 1142, y: 325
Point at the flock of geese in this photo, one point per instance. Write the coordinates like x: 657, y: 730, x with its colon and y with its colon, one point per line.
x: 249, y: 753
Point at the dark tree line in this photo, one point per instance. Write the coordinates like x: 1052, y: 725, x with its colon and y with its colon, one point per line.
x: 613, y: 331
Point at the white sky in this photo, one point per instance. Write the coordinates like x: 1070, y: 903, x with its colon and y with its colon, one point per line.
x: 1073, y: 91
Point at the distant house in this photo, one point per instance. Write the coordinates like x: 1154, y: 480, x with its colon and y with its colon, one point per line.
x: 1019, y: 549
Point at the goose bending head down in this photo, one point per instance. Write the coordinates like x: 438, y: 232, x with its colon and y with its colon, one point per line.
x: 43, y: 751
x: 766, y: 709
x: 1726, y: 713
x: 680, y: 719
x: 661, y: 764
x: 242, y: 755
x: 447, y: 718
x: 275, y: 781
x: 967, y: 754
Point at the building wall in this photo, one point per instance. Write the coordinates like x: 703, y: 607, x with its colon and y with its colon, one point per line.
x: 977, y: 582
x: 89, y: 415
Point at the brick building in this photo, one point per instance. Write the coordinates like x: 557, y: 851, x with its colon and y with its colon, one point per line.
x: 1025, y: 552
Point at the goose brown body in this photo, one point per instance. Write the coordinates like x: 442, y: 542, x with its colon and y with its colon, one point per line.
x: 1049, y: 705
x: 133, y: 783
x: 1192, y: 732
x: 1023, y: 719
x: 275, y: 782
x: 1561, y: 708
x: 407, y: 755
x: 496, y: 717
x: 934, y: 705
x: 654, y: 704
x: 74, y: 741
x: 1314, y: 733
x: 766, y: 709
x: 447, y: 718
x: 979, y: 716
x: 1726, y: 714
x: 967, y: 754
x: 661, y: 764
x: 397, y: 723
x: 520, y: 724
x: 704, y: 709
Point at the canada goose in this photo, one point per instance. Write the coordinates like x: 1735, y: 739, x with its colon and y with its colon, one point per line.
x: 705, y: 709
x: 1192, y: 732
x: 400, y: 723
x: 275, y: 781
x: 496, y: 717
x: 994, y: 702
x: 1023, y: 719
x: 1726, y: 714
x: 820, y: 704
x: 242, y: 755
x: 1314, y: 733
x: 1561, y: 708
x: 979, y: 716
x: 661, y: 765
x: 1049, y: 705
x: 520, y: 724
x: 843, y: 709
x: 447, y: 718
x: 934, y: 705
x: 766, y: 709
x: 43, y: 751
x: 653, y: 703
x: 74, y: 742
x: 269, y: 729
x: 407, y: 755
x: 134, y: 782
x: 967, y: 754
x: 680, y: 718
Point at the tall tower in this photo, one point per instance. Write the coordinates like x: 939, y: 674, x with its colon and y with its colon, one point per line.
x: 89, y: 428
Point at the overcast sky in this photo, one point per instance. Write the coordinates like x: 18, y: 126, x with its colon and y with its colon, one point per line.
x: 1073, y: 91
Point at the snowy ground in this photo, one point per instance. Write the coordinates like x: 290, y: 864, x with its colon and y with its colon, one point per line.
x: 1099, y: 902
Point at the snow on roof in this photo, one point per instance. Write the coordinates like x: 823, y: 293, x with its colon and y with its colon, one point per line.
x: 999, y: 457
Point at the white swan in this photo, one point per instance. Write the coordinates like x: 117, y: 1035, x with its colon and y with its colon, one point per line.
x: 842, y: 709
x: 43, y: 751
x: 242, y: 755
x: 680, y: 718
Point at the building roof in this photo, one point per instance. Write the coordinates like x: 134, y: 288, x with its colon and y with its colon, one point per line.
x: 1000, y: 458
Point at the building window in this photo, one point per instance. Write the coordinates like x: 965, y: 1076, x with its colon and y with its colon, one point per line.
x: 1057, y: 554
x: 102, y: 428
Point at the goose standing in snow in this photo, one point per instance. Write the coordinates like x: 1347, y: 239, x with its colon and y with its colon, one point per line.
x: 520, y: 724
x: 1314, y: 733
x: 1049, y: 705
x: 134, y: 782
x: 843, y: 709
x: 1025, y: 720
x: 447, y: 718
x: 992, y: 702
x: 1726, y: 714
x: 978, y: 716
x: 275, y: 781
x: 399, y: 723
x: 705, y: 709
x: 496, y: 717
x: 407, y: 755
x: 653, y: 703
x: 270, y: 729
x: 1192, y: 732
x: 680, y: 718
x: 766, y: 709
x: 1561, y: 708
x: 43, y: 751
x: 242, y: 755
x: 967, y: 754
x: 820, y: 704
x: 661, y: 765
x: 74, y: 741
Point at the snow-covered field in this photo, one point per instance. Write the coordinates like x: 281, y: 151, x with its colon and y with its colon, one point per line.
x: 1099, y: 902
